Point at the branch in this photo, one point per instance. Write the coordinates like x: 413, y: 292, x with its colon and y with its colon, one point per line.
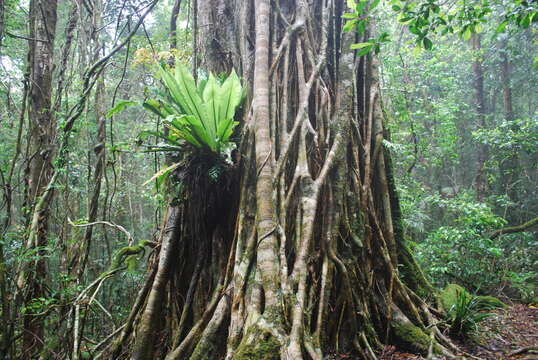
x: 119, y: 227
x: 15, y: 36
x: 514, y: 229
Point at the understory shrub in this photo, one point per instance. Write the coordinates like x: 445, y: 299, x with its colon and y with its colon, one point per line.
x: 461, y: 251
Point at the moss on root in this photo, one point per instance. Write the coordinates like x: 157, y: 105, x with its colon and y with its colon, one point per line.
x: 449, y: 296
x: 264, y: 347
x: 412, y: 274
x: 411, y: 337
x: 206, y: 352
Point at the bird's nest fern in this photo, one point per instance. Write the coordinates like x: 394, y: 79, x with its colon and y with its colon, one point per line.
x: 198, y: 121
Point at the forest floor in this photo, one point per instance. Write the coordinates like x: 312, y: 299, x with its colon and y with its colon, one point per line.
x: 509, y: 335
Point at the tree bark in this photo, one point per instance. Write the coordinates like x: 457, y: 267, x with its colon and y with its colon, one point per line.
x: 43, y: 16
x: 312, y: 263
x: 173, y: 24
x: 509, y: 166
x: 480, y: 106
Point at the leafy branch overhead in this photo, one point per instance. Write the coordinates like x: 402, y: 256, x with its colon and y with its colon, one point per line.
x: 426, y: 18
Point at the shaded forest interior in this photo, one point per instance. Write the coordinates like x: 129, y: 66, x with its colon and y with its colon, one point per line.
x: 268, y: 179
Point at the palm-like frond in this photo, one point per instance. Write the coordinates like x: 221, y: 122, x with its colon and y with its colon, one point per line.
x: 206, y: 116
x: 201, y: 115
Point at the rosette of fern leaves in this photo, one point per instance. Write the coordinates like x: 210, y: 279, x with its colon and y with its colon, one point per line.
x: 466, y: 313
x: 199, y: 118
x: 200, y: 114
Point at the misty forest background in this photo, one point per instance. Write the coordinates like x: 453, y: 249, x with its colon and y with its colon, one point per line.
x: 461, y: 108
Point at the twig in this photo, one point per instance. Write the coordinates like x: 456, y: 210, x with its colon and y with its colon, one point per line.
x: 111, y: 224
x: 524, y: 350
x: 24, y: 37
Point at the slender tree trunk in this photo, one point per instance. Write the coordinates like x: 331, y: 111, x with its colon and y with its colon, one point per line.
x: 43, y: 18
x: 480, y: 106
x: 100, y: 144
x: 173, y: 24
x: 2, y: 25
x: 509, y: 167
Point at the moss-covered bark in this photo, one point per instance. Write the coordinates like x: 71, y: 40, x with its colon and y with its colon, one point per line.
x: 258, y: 345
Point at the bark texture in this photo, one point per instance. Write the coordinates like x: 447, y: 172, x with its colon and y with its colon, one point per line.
x: 43, y: 18
x: 480, y: 106
x: 298, y: 252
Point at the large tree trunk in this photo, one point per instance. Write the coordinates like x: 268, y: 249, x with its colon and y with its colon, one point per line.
x: 301, y: 253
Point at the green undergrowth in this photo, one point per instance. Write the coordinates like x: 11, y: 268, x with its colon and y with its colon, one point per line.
x: 449, y: 296
x: 465, y: 311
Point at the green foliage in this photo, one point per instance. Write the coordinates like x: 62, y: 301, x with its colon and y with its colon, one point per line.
x: 357, y: 21
x: 461, y: 249
x: 199, y: 118
x: 449, y: 297
x: 520, y: 12
x: 510, y: 137
x: 201, y: 115
x: 465, y: 313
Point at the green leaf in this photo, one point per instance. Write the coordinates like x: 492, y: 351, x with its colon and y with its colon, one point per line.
x: 501, y: 26
x: 427, y: 43
x: 230, y: 96
x: 211, y: 106
x: 351, y: 4
x: 365, y: 50
x: 155, y: 107
x: 467, y: 34
x: 189, y: 91
x: 120, y: 107
x: 374, y: 4
x: 361, y: 6
x: 350, y: 15
x: 163, y: 172
x: 396, y: 8
x: 349, y: 25
x: 526, y: 21
x: 360, y: 45
x: 147, y: 133
x: 361, y: 27
x: 192, y: 129
x: 415, y: 30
